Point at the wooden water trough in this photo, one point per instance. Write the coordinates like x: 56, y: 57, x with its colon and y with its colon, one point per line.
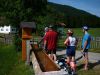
x: 43, y: 65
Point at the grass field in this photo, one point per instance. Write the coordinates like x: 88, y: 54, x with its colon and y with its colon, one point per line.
x: 78, y: 32
x: 11, y: 64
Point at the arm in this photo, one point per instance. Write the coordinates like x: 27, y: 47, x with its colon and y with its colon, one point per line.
x: 85, y: 44
x: 42, y: 39
x: 45, y: 43
x: 76, y: 43
x: 85, y: 41
x: 66, y: 42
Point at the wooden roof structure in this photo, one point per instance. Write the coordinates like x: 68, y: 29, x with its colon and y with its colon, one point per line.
x: 28, y: 25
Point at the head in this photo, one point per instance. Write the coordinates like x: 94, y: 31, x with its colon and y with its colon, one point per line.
x: 51, y: 27
x: 85, y: 28
x: 70, y: 32
x: 46, y: 29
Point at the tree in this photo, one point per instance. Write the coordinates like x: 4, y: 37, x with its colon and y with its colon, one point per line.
x: 15, y: 11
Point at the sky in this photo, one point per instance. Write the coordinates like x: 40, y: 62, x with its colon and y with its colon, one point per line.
x: 91, y: 6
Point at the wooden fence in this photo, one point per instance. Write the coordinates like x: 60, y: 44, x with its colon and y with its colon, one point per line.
x: 95, y: 42
x: 6, y: 39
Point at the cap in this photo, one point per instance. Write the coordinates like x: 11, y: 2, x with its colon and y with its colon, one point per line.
x: 85, y: 27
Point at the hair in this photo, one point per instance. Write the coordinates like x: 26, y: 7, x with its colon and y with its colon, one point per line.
x: 70, y: 32
x: 46, y: 29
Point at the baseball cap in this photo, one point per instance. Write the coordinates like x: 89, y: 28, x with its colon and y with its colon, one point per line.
x: 85, y: 27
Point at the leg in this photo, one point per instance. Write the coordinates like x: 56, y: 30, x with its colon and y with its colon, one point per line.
x: 68, y: 55
x: 68, y: 60
x: 50, y: 56
x: 86, y: 61
x: 73, y: 64
x: 54, y: 57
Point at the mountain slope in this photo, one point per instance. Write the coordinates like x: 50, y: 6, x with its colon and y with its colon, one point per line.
x: 77, y: 15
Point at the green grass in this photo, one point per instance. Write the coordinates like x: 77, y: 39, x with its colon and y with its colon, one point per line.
x: 21, y: 69
x: 78, y: 32
x: 11, y: 64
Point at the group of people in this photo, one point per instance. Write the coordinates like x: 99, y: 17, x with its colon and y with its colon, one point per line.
x: 50, y: 44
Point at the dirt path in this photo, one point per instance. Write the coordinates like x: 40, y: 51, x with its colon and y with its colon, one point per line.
x: 93, y: 57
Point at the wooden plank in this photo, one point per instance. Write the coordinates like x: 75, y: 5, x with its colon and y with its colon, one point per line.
x: 43, y: 65
x: 36, y: 66
x: 45, y: 62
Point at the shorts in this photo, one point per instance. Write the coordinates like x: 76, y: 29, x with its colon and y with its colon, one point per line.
x: 70, y: 51
x: 51, y: 51
x: 85, y: 50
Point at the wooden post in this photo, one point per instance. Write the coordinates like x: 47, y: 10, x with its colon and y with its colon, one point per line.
x: 26, y: 35
x: 23, y: 49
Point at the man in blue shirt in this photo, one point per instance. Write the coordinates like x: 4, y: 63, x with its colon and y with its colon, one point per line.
x: 86, y: 45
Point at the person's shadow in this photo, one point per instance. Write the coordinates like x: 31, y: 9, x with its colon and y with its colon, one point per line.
x: 91, y: 65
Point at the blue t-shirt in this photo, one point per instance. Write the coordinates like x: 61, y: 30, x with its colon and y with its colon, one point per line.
x: 87, y: 38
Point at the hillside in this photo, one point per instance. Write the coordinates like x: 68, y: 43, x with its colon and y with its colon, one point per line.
x: 70, y: 10
x: 74, y: 17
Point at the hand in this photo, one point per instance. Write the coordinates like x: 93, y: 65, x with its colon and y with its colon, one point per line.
x: 82, y: 51
x: 44, y: 47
